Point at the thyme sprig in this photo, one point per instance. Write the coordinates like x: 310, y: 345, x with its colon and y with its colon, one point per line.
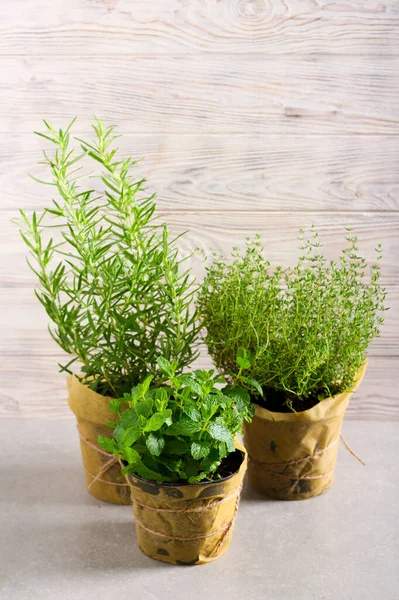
x: 307, y: 328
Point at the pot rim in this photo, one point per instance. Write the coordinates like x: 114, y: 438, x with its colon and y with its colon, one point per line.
x: 177, y: 484
x: 303, y: 415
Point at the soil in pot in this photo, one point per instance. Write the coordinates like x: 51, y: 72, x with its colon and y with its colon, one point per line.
x: 275, y: 401
x: 188, y: 524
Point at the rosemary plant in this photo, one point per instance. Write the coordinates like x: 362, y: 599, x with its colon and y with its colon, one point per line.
x: 305, y: 329
x: 110, y: 279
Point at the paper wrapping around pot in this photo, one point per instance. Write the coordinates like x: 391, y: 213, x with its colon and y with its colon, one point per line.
x: 187, y: 524
x: 291, y: 456
x: 102, y: 470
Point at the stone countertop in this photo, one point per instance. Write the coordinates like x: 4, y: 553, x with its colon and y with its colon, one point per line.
x: 57, y: 542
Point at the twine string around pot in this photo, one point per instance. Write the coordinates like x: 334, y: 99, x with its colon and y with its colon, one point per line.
x: 106, y: 466
x: 225, y: 529
x: 308, y: 458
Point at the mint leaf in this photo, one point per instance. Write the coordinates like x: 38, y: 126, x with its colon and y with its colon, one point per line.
x: 144, y: 407
x: 142, y: 471
x: 220, y: 432
x: 176, y: 447
x: 210, y: 405
x: 200, y: 449
x: 243, y: 358
x: 114, y: 405
x: 190, y: 409
x: 128, y: 417
x: 253, y: 383
x: 129, y: 455
x: 161, y: 399
x: 197, y: 478
x: 176, y: 383
x: 130, y: 435
x: 185, y: 426
x: 157, y: 420
x: 182, y: 432
x: 241, y: 397
x: 165, y: 366
x: 194, y: 386
x: 143, y: 388
x: 155, y: 444
x: 107, y: 444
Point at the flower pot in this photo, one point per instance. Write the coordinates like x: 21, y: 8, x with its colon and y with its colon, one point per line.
x: 102, y: 470
x: 187, y: 524
x: 291, y: 456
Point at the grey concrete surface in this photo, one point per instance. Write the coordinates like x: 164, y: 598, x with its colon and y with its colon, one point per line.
x: 57, y: 542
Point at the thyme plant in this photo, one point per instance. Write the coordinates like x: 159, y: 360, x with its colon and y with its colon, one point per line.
x: 305, y: 329
x: 109, y: 275
x: 181, y: 432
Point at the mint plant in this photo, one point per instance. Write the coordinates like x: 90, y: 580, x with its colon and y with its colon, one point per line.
x: 109, y: 274
x: 305, y: 330
x: 178, y: 432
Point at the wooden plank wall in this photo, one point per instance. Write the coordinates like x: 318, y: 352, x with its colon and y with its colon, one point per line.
x: 250, y: 115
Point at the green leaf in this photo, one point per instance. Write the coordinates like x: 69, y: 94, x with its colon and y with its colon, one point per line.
x: 253, y: 383
x: 197, y: 478
x: 210, y: 405
x: 165, y: 366
x: 194, y: 386
x: 191, y: 410
x: 176, y: 447
x: 176, y: 383
x: 219, y: 432
x: 130, y: 455
x: 138, y: 468
x: 185, y: 426
x: 200, y: 449
x: 157, y: 420
x: 114, y: 405
x: 155, y: 444
x: 143, y: 471
x: 128, y: 418
x: 241, y: 397
x: 144, y: 408
x: 161, y: 399
x: 243, y: 358
x: 145, y: 386
x: 107, y: 444
x: 130, y: 435
x: 115, y: 287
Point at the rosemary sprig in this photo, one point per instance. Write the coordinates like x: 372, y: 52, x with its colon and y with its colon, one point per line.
x: 112, y: 282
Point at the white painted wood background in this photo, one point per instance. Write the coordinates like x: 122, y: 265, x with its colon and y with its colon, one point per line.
x: 250, y: 115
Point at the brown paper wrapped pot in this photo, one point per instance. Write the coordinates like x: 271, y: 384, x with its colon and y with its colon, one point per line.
x: 102, y: 470
x: 291, y: 456
x: 186, y: 524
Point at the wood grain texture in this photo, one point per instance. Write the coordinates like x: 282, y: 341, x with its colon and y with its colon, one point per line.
x: 24, y: 328
x: 31, y: 387
x: 222, y: 230
x: 239, y: 172
x: 127, y: 27
x: 252, y: 116
x: 227, y: 94
x: 23, y: 325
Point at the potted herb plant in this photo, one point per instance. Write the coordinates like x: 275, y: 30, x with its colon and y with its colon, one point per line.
x: 304, y: 332
x: 111, y: 282
x: 177, y: 445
